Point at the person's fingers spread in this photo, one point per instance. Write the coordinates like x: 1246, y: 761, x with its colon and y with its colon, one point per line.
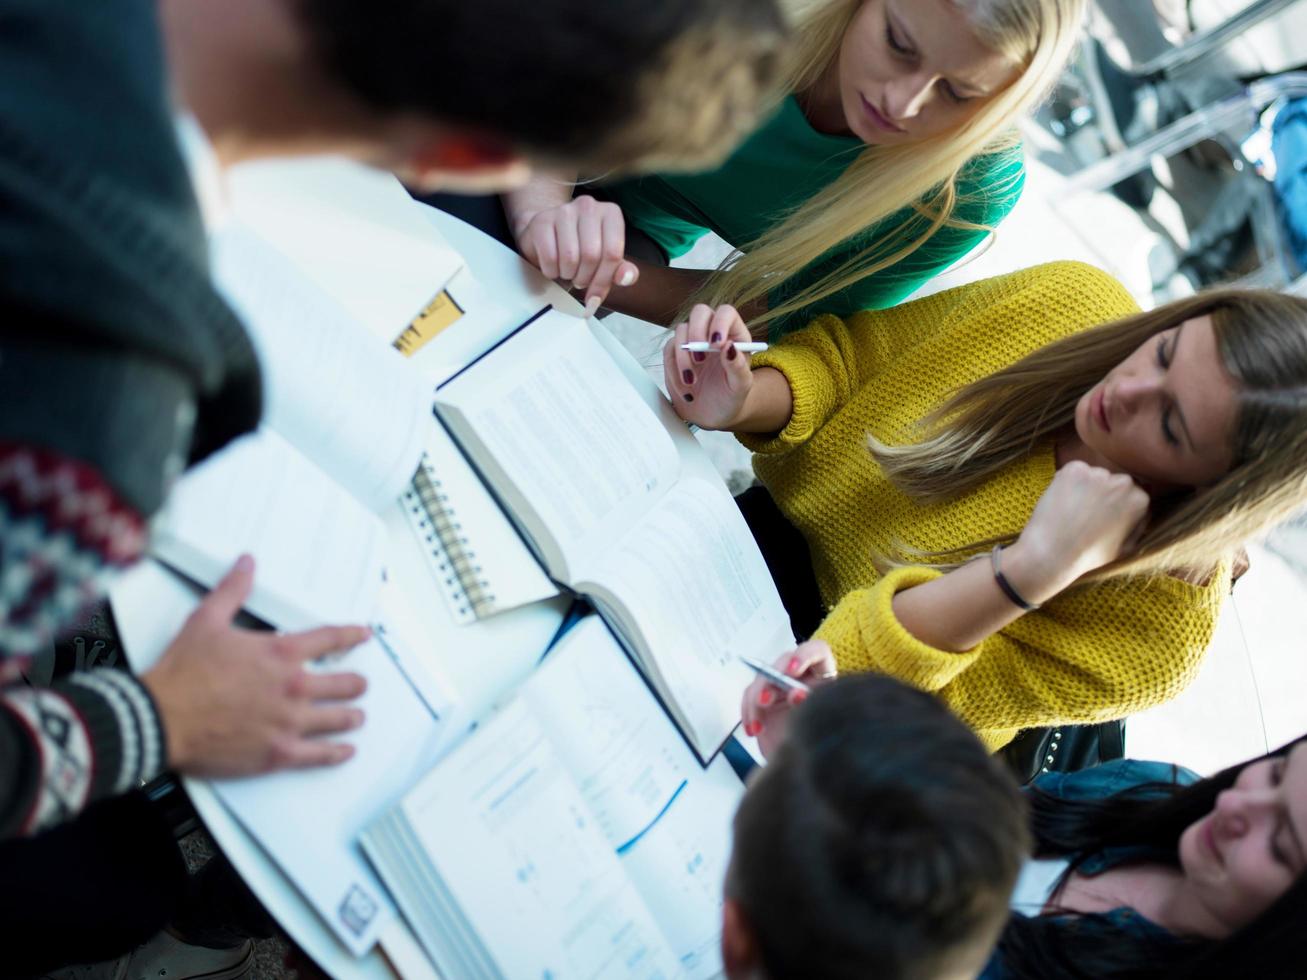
x: 308, y: 753
x: 736, y: 329
x: 225, y: 601
x: 736, y: 368
x: 330, y: 719
x: 546, y: 246
x: 670, y: 378
x: 720, y: 327
x: 325, y: 639
x: 611, y: 265
x: 569, y: 248
x: 749, y: 704
x: 700, y: 319
x: 333, y: 687
x: 527, y: 244
x: 684, y: 365
x: 809, y: 655
x: 593, y: 255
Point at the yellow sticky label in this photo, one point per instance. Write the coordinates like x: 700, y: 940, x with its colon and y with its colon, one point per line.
x: 427, y: 325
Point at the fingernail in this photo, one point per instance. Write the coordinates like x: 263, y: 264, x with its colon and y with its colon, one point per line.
x: 687, y: 376
x: 765, y: 698
x: 698, y: 356
x: 626, y: 278
x: 343, y: 752
x: 715, y: 338
x: 730, y: 353
x: 356, y: 720
x: 793, y: 666
x: 798, y: 697
x: 245, y: 563
x: 752, y: 728
x: 592, y: 306
x: 689, y: 397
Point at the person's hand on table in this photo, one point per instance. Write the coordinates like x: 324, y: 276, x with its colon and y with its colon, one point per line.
x: 237, y: 702
x: 765, y: 708
x: 581, y: 244
x: 711, y: 389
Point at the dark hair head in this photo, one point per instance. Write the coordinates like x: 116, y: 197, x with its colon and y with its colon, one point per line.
x: 880, y: 841
x: 1152, y: 816
x: 601, y: 85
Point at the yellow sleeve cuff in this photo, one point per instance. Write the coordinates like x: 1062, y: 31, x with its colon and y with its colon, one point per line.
x: 814, y: 362
x: 865, y: 635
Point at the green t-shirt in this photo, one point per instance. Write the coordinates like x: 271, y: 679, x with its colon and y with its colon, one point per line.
x: 784, y: 164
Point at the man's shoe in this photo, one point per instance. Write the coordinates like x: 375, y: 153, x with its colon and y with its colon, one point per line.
x: 166, y: 957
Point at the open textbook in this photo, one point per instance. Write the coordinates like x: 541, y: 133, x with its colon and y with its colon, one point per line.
x: 348, y: 432
x: 572, y: 835
x: 623, y: 506
x: 308, y: 820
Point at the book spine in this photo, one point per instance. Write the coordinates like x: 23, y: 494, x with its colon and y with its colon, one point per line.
x: 456, y: 565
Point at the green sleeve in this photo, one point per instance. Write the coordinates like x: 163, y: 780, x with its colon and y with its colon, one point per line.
x: 985, y: 198
x: 656, y: 209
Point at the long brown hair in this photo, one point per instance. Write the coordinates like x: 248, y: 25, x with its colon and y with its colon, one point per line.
x: 1261, y: 337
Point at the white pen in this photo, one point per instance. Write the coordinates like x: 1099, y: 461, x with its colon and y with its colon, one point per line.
x: 774, y: 676
x: 745, y: 347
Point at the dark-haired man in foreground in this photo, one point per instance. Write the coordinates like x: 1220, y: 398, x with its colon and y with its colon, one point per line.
x: 880, y: 840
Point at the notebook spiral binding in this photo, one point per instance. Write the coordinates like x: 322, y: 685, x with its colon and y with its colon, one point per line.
x: 453, y: 559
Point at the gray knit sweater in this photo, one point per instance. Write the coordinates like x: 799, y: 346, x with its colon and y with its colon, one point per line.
x: 119, y: 364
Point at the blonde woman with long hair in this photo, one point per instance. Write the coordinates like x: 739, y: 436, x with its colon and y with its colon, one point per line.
x: 890, y: 154
x: 1021, y: 494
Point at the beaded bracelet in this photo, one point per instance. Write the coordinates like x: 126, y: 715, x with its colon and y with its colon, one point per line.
x: 1005, y: 585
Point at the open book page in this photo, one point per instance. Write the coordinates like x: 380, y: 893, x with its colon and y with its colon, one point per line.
x: 309, y: 819
x: 318, y: 552
x: 668, y: 819
x: 563, y: 437
x: 342, y: 396
x: 353, y: 230
x: 308, y: 822
x: 542, y: 889
x: 692, y: 592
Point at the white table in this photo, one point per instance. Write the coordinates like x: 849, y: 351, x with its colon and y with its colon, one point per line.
x: 519, y: 290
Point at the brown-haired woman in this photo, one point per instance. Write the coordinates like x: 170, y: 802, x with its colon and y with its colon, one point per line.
x: 1020, y: 494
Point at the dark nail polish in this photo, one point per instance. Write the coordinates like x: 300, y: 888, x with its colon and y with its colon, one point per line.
x: 715, y: 339
x: 730, y: 353
x: 687, y: 376
x: 699, y: 357
x: 689, y: 397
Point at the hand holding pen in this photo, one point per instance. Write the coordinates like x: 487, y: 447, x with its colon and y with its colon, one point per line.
x: 766, y: 704
x: 706, y: 367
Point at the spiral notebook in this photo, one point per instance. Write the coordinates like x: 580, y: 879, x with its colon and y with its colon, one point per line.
x: 475, y: 556
x: 348, y: 434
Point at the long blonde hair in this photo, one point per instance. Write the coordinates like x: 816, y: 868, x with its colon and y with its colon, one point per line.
x: 1037, y: 34
x: 992, y: 423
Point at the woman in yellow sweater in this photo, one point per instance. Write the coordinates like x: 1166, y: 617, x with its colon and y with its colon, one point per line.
x: 1115, y: 458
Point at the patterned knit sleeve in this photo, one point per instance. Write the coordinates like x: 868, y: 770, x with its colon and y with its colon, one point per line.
x: 1091, y: 655
x: 98, y: 733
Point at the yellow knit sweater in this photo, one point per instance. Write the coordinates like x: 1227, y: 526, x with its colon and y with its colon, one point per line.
x: 1093, y: 653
